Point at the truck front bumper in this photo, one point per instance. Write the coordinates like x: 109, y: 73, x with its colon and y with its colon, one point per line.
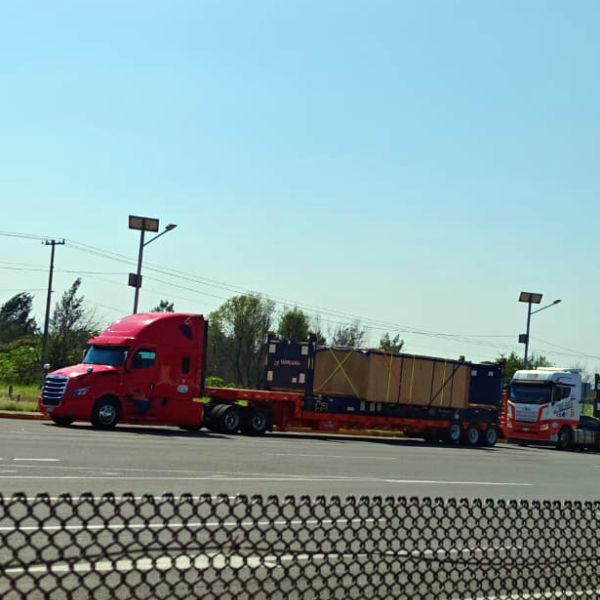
x: 520, y: 436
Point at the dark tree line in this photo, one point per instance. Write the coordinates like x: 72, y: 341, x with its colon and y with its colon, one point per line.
x: 238, y: 332
x: 71, y: 324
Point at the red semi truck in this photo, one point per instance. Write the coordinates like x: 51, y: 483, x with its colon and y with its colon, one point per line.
x: 149, y: 369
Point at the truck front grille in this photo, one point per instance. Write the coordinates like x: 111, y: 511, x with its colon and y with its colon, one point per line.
x: 526, y: 414
x: 54, y: 389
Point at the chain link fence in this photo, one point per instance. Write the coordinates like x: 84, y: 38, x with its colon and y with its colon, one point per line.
x: 296, y: 547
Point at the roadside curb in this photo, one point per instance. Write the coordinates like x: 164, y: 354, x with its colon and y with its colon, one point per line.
x: 27, y: 416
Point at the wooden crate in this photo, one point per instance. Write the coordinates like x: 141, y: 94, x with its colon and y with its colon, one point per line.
x: 341, y: 372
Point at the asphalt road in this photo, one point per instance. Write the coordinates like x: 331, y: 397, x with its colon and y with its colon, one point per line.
x: 38, y: 457
x: 224, y: 548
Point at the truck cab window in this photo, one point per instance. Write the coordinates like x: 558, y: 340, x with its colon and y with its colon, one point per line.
x: 185, y: 364
x: 560, y: 393
x: 143, y: 359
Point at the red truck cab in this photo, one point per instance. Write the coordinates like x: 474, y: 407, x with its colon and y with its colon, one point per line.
x: 146, y: 368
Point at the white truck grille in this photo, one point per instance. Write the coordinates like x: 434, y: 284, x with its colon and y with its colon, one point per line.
x: 526, y: 413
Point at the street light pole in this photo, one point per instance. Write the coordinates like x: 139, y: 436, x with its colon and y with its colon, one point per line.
x: 531, y: 298
x: 143, y: 224
x: 136, y: 297
x: 527, y: 335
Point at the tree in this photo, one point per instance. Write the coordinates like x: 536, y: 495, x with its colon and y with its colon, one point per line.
x: 513, y: 363
x: 294, y: 326
x: 70, y: 327
x: 20, y: 361
x: 15, y: 318
x: 316, y: 329
x: 237, y: 339
x: 391, y: 345
x: 352, y: 335
x: 164, y: 306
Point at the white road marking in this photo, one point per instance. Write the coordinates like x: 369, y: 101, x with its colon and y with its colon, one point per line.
x: 217, y: 560
x: 118, y: 497
x: 37, y: 459
x: 346, y: 456
x: 272, y: 478
x: 589, y: 593
x: 444, y: 482
x: 287, y: 478
x: 192, y: 524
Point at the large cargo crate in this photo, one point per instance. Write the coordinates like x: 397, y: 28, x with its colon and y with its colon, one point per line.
x: 341, y: 372
x: 397, y: 379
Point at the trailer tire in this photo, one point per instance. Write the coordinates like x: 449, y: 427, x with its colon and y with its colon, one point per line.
x: 472, y: 435
x: 255, y: 422
x: 62, y: 421
x: 106, y: 413
x: 211, y: 416
x: 453, y: 433
x: 227, y: 419
x: 565, y: 439
x: 431, y: 436
x: 490, y: 436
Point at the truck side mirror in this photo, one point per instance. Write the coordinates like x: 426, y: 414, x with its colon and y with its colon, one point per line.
x: 46, y: 367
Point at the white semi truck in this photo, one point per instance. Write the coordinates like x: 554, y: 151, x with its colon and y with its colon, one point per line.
x: 544, y: 407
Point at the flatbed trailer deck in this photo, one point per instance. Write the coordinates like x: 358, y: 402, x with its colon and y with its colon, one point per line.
x: 255, y: 412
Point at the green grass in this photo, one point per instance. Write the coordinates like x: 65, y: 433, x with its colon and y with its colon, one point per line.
x: 587, y: 408
x: 23, y: 397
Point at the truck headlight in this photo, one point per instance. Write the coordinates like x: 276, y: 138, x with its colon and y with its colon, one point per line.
x: 82, y: 391
x: 544, y: 427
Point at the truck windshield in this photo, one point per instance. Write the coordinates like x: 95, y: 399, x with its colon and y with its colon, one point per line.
x: 530, y: 393
x: 104, y: 355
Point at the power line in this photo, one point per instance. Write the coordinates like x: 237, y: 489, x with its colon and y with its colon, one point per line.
x: 478, y: 340
x: 279, y: 300
x: 25, y: 236
x: 23, y: 290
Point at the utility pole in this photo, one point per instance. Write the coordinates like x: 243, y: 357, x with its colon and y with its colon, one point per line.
x: 52, y: 244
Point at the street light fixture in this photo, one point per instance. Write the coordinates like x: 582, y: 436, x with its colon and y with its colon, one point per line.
x: 143, y: 224
x: 530, y: 298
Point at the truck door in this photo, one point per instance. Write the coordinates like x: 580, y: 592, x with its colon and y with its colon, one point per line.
x: 141, y: 383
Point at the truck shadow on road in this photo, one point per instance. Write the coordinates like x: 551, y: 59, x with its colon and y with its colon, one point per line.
x: 156, y: 431
x: 284, y: 437
x: 398, y: 442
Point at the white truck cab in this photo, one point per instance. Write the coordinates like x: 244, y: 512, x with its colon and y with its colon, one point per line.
x: 544, y: 406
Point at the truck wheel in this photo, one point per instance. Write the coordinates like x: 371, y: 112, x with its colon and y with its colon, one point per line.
x: 212, y: 418
x: 430, y: 437
x: 228, y: 419
x: 472, y: 435
x: 490, y: 436
x: 62, y: 421
x: 565, y: 439
x: 106, y: 413
x: 453, y: 433
x: 255, y: 422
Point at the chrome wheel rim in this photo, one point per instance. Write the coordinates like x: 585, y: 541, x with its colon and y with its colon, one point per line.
x: 107, y: 414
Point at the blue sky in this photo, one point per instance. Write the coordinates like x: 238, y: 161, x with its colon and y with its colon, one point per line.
x: 416, y: 164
